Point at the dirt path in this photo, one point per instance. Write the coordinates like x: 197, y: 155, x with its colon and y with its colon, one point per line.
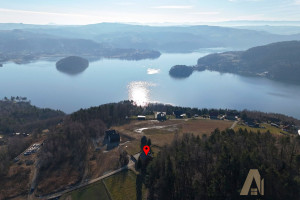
x: 33, y: 182
x: 140, y: 130
x: 234, y: 124
x: 58, y: 194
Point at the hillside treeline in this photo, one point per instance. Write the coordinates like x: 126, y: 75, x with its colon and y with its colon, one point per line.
x: 268, y: 117
x: 64, y: 153
x: 110, y: 114
x: 117, y: 113
x: 18, y: 115
x: 216, y: 167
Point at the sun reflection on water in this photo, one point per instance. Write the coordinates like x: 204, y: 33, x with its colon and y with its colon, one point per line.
x: 139, y: 92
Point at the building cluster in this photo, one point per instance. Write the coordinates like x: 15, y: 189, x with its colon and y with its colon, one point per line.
x: 162, y: 116
x: 33, y: 149
x: 21, y: 134
x: 112, y: 136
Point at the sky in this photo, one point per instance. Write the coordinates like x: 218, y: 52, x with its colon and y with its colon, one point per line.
x: 146, y: 11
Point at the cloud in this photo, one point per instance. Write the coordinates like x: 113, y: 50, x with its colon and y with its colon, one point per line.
x: 173, y: 7
x: 297, y: 2
x: 245, y: 0
x: 205, y: 13
x: 40, y: 13
x: 124, y: 3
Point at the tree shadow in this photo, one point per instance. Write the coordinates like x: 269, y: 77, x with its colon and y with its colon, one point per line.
x: 139, y: 186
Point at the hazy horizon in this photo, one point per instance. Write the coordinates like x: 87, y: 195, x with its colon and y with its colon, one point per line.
x: 81, y: 12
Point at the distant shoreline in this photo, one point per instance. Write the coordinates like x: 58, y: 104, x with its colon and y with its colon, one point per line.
x: 276, y: 61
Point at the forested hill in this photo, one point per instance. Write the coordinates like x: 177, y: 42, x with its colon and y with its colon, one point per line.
x: 161, y: 38
x: 278, y: 61
x: 23, y: 46
x: 196, y: 165
x: 17, y: 114
x: 216, y: 166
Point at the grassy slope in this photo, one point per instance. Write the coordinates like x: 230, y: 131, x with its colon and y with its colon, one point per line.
x: 122, y: 186
x: 166, y: 131
x: 92, y: 192
x: 272, y: 129
x: 199, y: 127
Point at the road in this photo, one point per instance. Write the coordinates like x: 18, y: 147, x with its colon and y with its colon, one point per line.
x: 234, y: 124
x: 58, y: 194
x: 33, y: 182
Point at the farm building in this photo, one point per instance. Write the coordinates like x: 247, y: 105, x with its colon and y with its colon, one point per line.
x: 214, y: 115
x: 112, y: 136
x: 141, y: 117
x: 161, y: 116
x: 231, y: 117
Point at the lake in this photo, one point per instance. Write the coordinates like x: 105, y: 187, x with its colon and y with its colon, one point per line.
x: 146, y: 81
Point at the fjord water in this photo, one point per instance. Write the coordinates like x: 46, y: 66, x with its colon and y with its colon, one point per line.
x: 145, y: 81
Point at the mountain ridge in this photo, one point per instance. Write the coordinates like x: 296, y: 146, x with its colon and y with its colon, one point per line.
x: 23, y: 46
x: 160, y: 38
x: 277, y: 61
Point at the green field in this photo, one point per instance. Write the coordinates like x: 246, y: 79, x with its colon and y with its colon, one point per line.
x: 122, y: 186
x: 272, y: 129
x: 93, y: 192
x: 133, y: 147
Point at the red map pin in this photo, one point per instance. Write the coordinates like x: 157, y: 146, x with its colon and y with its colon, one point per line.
x: 146, y: 149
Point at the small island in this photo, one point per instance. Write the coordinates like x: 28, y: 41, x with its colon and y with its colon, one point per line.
x: 72, y: 65
x: 181, y: 71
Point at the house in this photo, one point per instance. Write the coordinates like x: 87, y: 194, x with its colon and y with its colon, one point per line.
x: 213, y: 115
x: 275, y: 125
x: 286, y: 128
x: 141, y: 117
x: 112, y: 136
x: 25, y: 135
x: 178, y: 114
x: 160, y: 116
x: 205, y: 116
x: 231, y: 117
x: 252, y: 124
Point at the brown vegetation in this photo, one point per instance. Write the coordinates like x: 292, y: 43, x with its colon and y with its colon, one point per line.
x: 15, y: 183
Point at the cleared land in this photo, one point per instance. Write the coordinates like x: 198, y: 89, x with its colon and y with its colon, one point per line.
x: 92, y: 192
x: 124, y: 185
x: 268, y: 127
x: 162, y: 133
x: 121, y: 186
